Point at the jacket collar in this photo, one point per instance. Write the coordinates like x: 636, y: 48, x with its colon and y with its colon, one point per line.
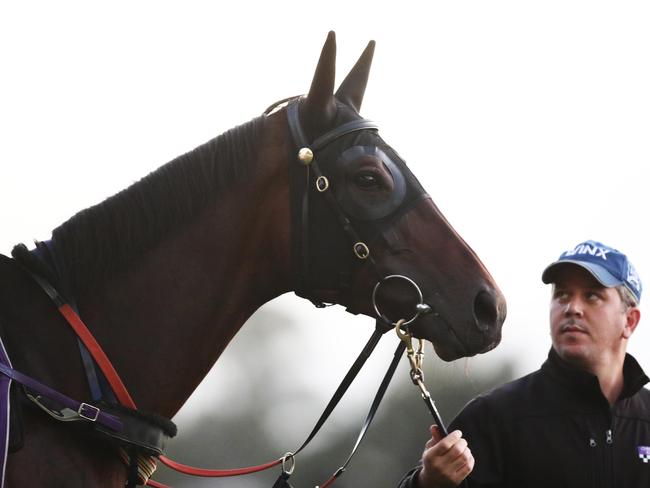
x: 634, y: 377
x: 587, y: 383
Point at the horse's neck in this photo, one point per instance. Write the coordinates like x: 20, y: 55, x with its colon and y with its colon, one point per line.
x: 166, y: 320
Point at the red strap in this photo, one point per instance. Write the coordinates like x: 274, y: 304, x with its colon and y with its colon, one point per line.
x: 215, y: 473
x: 155, y: 484
x: 98, y: 354
x: 125, y: 399
x: 329, y: 482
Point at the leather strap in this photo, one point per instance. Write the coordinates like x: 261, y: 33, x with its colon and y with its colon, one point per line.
x: 345, y: 383
x: 371, y: 413
x: 282, y: 481
x: 336, y: 398
x: 85, y: 410
x: 99, y: 388
x: 88, y: 340
x: 341, y: 130
x: 5, y: 412
x: 300, y: 139
x: 301, y: 247
x: 215, y: 473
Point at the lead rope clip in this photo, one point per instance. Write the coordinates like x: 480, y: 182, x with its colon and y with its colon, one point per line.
x: 416, y: 359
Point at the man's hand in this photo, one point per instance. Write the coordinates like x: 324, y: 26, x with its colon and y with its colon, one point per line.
x: 445, y: 462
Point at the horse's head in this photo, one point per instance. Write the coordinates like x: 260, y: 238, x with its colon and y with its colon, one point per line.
x: 360, y: 216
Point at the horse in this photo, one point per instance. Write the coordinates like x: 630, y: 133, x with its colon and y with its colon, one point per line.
x: 306, y: 198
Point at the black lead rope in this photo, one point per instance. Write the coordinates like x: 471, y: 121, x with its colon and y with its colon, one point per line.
x: 283, y: 479
x: 371, y: 413
x: 416, y: 373
x: 417, y: 377
x: 380, y: 330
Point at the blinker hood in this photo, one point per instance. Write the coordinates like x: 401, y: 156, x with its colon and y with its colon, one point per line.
x: 331, y: 220
x: 372, y: 214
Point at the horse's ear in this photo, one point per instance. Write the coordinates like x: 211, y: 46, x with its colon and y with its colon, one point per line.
x: 354, y: 86
x: 319, y: 108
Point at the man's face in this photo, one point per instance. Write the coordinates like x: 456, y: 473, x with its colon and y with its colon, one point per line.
x: 589, y: 323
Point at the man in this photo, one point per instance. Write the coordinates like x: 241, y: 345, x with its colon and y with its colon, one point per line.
x: 583, y: 419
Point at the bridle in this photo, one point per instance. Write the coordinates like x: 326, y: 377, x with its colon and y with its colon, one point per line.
x: 306, y: 162
x: 308, y: 182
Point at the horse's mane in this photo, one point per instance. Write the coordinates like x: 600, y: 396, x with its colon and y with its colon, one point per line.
x: 106, y: 237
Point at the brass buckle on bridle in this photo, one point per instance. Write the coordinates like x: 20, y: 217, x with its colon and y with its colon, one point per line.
x: 416, y: 359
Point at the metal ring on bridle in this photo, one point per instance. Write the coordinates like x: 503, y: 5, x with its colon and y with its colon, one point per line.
x: 420, y: 307
x: 322, y: 183
x: 289, y: 456
x: 361, y: 250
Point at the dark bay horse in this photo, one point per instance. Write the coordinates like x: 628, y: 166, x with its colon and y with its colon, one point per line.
x: 167, y: 271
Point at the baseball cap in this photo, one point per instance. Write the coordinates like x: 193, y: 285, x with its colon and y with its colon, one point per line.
x: 608, y: 265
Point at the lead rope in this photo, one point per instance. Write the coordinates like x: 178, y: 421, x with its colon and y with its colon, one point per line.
x: 416, y: 359
x: 399, y: 351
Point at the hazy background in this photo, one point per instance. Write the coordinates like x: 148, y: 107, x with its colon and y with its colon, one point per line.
x: 527, y: 122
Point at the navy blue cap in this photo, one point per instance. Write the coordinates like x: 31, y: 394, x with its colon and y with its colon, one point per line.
x: 608, y: 265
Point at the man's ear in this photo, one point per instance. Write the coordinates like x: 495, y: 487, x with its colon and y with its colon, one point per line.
x: 633, y: 316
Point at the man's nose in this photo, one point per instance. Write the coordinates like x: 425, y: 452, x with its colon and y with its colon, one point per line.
x: 573, y: 308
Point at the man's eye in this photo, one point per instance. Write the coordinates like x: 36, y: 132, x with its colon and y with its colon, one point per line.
x: 560, y: 295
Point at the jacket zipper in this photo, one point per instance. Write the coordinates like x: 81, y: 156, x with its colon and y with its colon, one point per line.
x: 608, y: 453
x: 595, y: 462
x: 602, y: 459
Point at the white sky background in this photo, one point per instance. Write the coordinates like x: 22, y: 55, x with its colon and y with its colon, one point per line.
x: 528, y: 123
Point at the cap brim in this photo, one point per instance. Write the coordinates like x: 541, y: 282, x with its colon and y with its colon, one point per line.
x: 603, y: 276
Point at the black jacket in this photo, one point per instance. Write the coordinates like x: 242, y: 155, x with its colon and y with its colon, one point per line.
x: 554, y: 428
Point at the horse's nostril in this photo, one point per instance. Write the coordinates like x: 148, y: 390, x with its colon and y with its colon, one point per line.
x: 485, y: 311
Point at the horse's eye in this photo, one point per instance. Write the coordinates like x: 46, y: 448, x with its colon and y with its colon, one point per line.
x: 367, y: 181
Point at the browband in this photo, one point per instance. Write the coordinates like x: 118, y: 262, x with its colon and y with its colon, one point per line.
x: 300, y: 139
